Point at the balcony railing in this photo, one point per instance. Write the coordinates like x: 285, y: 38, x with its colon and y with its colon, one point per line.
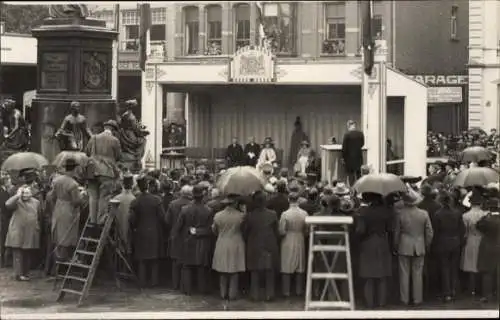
x: 158, y: 48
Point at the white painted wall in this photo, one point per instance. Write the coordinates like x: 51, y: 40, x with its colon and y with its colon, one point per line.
x: 17, y: 49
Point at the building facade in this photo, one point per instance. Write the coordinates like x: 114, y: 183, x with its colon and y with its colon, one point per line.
x: 484, y: 64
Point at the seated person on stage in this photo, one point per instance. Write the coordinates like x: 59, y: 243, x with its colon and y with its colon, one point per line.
x: 267, y: 154
x: 303, y: 157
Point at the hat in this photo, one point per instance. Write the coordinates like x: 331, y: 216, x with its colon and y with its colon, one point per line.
x: 426, y: 190
x: 70, y: 164
x: 27, y: 171
x: 131, y: 102
x: 341, y: 189
x: 111, y: 123
x: 305, y: 143
x: 74, y: 104
x: 268, y: 140
x: 198, y: 190
x: 410, y: 198
x: 267, y: 168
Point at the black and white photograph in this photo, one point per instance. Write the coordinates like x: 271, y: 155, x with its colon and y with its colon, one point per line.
x: 250, y: 159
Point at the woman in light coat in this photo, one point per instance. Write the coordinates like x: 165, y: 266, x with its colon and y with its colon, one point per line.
x: 472, y: 240
x: 24, y: 230
x: 293, y: 228
x: 229, y: 253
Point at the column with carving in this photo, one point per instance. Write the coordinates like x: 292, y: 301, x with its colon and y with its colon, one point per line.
x: 202, y: 34
x: 352, y: 28
x: 253, y: 23
x: 227, y: 28
x: 179, y: 31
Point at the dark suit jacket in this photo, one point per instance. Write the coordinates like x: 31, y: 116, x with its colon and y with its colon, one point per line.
x: 172, y: 215
x: 352, y: 152
x: 431, y: 206
x: 234, y: 155
x: 105, y: 149
x: 449, y: 230
x: 255, y: 148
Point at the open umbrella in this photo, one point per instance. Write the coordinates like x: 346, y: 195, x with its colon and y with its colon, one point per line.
x: 476, y: 131
x: 476, y: 176
x: 241, y: 181
x: 80, y: 158
x: 24, y: 160
x: 475, y: 154
x: 380, y: 183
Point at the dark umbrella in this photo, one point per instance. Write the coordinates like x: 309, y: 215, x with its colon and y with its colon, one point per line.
x: 475, y: 154
x: 477, y: 176
x: 380, y: 183
x: 241, y: 181
x: 80, y: 158
x: 24, y: 160
x: 410, y: 179
x: 476, y: 131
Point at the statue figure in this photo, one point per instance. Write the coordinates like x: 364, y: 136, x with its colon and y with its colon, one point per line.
x: 68, y: 11
x: 73, y: 134
x: 298, y: 137
x: 132, y: 137
x: 15, y: 129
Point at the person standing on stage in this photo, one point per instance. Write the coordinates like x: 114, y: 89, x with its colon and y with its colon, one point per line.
x: 68, y: 196
x: 104, y: 151
x: 352, y: 152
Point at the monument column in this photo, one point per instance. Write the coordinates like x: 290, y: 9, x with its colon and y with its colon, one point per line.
x: 74, y: 64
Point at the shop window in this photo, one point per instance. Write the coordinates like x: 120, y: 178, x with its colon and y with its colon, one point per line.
x: 191, y: 30
x: 242, y: 25
x: 453, y: 23
x: 279, y: 20
x: 214, y: 30
x: 334, y: 42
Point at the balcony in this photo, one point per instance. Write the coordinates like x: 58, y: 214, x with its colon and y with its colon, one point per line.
x: 158, y: 48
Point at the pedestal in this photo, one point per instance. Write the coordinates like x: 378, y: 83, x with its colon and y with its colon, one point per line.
x: 74, y: 64
x: 331, y: 164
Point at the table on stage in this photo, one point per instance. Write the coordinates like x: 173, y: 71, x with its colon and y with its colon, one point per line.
x: 331, y: 164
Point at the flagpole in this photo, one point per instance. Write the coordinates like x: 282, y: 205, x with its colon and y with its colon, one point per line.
x: 117, y: 53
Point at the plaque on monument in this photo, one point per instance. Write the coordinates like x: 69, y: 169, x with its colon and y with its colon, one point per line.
x: 94, y: 72
x: 54, y: 71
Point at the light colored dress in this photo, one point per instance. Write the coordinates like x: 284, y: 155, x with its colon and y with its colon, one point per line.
x: 303, y: 159
x: 293, y: 227
x: 267, y: 155
x: 473, y: 237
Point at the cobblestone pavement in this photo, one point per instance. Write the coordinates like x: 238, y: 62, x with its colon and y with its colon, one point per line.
x: 38, y: 296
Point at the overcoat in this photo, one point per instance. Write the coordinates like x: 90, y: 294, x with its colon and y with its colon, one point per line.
x: 489, y: 226
x: 472, y: 240
x: 24, y: 227
x: 260, y: 231
x: 146, y: 218
x: 449, y: 230
x: 293, y: 228
x: 197, y: 249
x: 66, y: 211
x: 229, y: 253
x: 174, y: 249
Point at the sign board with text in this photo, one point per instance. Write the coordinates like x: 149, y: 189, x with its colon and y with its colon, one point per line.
x: 444, y: 95
x: 441, y: 80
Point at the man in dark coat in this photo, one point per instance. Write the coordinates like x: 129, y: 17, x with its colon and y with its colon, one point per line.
x: 260, y: 231
x: 311, y: 206
x: 5, y: 215
x: 352, y: 152
x: 194, y: 229
x: 279, y: 201
x: 146, y: 217
x: 431, y: 271
x: 252, y: 151
x: 234, y: 154
x: 175, y: 243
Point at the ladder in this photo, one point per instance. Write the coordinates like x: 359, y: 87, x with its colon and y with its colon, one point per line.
x: 81, y: 270
x: 337, y: 243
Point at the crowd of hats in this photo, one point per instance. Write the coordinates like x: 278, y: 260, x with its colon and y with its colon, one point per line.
x: 439, y: 144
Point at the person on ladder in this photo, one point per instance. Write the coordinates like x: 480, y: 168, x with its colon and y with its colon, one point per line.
x: 67, y: 195
x: 104, y: 151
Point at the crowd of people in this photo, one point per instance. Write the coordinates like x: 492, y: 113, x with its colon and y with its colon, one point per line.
x: 439, y: 144
x: 181, y: 231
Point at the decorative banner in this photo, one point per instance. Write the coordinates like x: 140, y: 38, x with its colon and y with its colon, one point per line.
x: 252, y: 64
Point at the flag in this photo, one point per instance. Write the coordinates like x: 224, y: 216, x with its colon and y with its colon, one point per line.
x: 260, y: 12
x: 144, y: 29
x: 368, y: 36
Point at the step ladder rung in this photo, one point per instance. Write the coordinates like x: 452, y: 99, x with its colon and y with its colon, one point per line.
x: 329, y: 248
x: 329, y: 305
x: 73, y: 264
x: 75, y: 278
x: 78, y: 293
x: 88, y: 253
x: 90, y: 239
x: 329, y: 233
x: 335, y: 276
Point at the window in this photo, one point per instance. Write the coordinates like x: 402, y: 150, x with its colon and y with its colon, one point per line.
x: 454, y: 13
x: 157, y: 32
x: 242, y: 25
x: 191, y: 30
x: 130, y: 17
x: 131, y: 38
x: 158, y: 16
x: 377, y: 26
x: 280, y: 26
x: 214, y: 30
x: 334, y: 42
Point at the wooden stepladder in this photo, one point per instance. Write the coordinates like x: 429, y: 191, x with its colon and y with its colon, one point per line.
x: 328, y: 240
x: 81, y: 270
